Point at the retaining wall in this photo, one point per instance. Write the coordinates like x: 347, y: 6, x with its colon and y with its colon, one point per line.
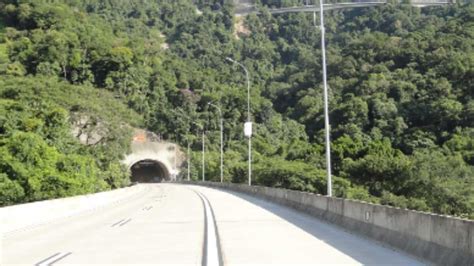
x: 443, y: 240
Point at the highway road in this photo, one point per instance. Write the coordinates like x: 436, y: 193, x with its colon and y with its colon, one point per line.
x: 192, y: 225
x: 245, y: 7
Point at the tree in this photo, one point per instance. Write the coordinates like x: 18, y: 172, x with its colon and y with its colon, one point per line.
x: 10, y: 191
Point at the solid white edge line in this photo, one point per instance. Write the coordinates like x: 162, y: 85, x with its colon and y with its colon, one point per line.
x: 211, y: 249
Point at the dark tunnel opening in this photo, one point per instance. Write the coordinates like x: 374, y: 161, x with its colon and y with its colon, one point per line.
x: 148, y: 171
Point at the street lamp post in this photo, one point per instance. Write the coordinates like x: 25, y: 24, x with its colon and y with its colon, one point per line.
x: 326, y: 104
x: 221, y: 124
x: 175, y: 165
x: 175, y: 154
x: 248, y: 125
x: 189, y: 161
x: 203, y: 147
x: 326, y: 111
x: 203, y: 156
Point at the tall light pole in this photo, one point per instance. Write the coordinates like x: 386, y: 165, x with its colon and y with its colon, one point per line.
x: 248, y: 125
x: 175, y: 154
x: 325, y: 87
x: 175, y: 166
x: 203, y: 156
x: 221, y: 124
x: 203, y: 149
x: 189, y: 161
x: 203, y: 146
x: 203, y: 142
x: 326, y: 104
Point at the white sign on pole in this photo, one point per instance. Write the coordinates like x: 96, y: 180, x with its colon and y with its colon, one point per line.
x: 248, y: 129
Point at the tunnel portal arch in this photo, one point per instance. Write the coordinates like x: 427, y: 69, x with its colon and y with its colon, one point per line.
x: 152, y: 157
x: 149, y: 171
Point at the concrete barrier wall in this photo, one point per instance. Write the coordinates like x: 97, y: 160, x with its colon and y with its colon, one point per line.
x: 442, y: 240
x: 23, y: 216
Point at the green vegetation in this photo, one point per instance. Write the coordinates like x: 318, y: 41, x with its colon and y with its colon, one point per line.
x: 401, y: 109
x: 3, y: 45
x: 39, y: 156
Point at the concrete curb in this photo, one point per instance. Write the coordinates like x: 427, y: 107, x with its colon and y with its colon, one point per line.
x: 440, y: 239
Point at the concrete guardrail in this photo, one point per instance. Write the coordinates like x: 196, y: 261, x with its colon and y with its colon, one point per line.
x: 440, y: 239
x: 29, y: 215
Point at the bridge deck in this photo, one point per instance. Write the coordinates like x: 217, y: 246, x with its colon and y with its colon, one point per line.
x: 165, y: 223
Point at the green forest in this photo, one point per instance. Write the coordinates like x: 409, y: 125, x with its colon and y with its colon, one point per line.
x: 401, y: 97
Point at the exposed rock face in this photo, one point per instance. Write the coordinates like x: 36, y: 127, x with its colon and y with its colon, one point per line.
x: 239, y: 28
x: 141, y: 135
x: 88, y: 130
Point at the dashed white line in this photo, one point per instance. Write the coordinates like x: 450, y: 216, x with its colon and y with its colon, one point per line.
x: 117, y: 223
x: 121, y: 222
x: 53, y: 259
x: 128, y: 220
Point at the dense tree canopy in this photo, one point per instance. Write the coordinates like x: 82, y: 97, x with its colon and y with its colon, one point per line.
x: 401, y: 95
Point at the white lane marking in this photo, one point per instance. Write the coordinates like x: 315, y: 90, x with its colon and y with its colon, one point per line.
x: 117, y: 223
x: 47, y: 259
x: 212, y: 251
x: 126, y: 221
x: 53, y: 259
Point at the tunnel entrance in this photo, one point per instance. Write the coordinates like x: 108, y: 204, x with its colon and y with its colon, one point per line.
x: 149, y: 171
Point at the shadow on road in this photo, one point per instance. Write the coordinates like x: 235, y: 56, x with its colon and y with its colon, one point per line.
x: 355, y: 246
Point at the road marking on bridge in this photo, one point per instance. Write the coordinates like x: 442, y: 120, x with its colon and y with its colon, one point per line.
x: 53, y: 259
x: 117, y: 223
x: 126, y: 221
x: 121, y: 222
x: 212, y: 255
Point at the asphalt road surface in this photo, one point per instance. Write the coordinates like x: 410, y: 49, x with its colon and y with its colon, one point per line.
x: 192, y: 225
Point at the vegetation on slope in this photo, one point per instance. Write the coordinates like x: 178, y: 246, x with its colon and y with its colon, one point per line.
x: 401, y: 83
x: 39, y: 156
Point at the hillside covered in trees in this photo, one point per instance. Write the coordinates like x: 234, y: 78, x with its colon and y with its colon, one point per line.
x: 401, y: 96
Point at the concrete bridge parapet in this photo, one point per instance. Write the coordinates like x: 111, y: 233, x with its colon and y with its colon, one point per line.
x: 436, y: 239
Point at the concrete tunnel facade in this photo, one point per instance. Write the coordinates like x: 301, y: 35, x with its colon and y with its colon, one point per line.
x: 153, y: 160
